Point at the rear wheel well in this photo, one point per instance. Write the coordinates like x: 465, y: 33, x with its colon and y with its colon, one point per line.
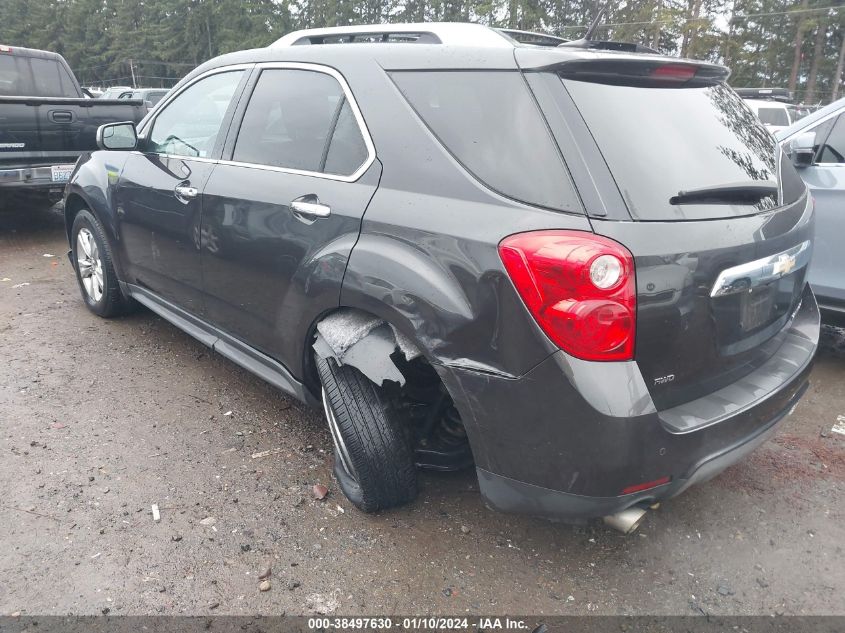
x: 424, y: 400
x: 311, y: 377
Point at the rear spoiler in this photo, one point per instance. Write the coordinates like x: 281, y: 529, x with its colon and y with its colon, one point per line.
x: 654, y: 72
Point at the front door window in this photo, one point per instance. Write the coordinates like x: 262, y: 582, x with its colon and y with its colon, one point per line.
x: 190, y: 125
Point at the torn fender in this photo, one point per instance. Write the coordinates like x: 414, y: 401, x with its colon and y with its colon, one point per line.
x: 366, y: 342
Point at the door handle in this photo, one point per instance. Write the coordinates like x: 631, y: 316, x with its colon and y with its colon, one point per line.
x: 310, y: 209
x: 185, y: 193
x: 61, y: 116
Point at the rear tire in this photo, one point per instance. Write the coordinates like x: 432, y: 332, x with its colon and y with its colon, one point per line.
x: 374, y: 456
x: 92, y: 261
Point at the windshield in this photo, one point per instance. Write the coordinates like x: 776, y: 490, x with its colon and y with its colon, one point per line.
x: 773, y: 116
x: 660, y: 141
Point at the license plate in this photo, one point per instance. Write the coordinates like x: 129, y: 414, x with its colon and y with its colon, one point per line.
x: 61, y: 173
x: 756, y: 307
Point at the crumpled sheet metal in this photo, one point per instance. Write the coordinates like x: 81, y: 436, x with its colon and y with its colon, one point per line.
x: 364, y: 341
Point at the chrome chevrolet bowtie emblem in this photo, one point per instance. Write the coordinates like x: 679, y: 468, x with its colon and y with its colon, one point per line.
x: 784, y: 265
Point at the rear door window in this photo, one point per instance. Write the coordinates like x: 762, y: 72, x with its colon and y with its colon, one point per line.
x: 660, y: 141
x: 51, y: 79
x: 300, y: 120
x: 346, y: 151
x: 489, y: 122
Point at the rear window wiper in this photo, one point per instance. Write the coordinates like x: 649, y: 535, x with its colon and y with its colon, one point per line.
x: 749, y: 192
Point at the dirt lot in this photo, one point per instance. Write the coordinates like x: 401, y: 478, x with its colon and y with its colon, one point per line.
x: 99, y: 420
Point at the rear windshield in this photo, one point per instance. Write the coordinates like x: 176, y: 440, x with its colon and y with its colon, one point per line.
x: 14, y: 73
x: 773, y: 116
x: 660, y: 141
x: 22, y: 76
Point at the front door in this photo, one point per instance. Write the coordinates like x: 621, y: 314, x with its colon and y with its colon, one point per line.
x: 280, y: 218
x: 158, y: 199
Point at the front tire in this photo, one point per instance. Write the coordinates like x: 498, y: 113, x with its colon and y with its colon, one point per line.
x: 92, y: 261
x: 374, y: 456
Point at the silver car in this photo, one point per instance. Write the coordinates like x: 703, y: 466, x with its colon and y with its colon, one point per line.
x: 816, y: 145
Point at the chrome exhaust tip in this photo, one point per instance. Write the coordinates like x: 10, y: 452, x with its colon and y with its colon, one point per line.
x: 626, y: 521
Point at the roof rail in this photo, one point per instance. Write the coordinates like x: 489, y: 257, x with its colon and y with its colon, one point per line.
x: 532, y: 37
x: 449, y: 33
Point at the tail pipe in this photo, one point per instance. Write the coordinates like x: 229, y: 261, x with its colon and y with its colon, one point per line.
x: 626, y: 521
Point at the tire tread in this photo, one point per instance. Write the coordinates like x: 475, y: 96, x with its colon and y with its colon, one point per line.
x: 377, y: 438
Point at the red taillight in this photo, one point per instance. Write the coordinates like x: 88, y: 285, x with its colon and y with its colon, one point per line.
x: 674, y: 72
x: 579, y: 287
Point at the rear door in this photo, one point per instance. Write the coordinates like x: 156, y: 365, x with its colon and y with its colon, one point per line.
x: 826, y: 181
x: 158, y: 201
x: 282, y: 212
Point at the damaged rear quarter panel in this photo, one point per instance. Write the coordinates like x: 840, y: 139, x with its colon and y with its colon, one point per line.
x: 429, y: 267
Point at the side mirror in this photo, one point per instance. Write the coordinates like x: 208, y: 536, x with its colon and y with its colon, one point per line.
x: 117, y: 136
x: 802, y: 149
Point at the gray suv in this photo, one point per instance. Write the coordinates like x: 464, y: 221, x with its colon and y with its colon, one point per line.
x: 580, y: 268
x: 816, y: 145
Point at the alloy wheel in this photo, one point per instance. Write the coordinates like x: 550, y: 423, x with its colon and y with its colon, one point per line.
x: 89, y: 264
x: 341, y: 452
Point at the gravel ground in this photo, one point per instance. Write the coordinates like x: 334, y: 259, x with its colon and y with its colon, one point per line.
x: 102, y: 419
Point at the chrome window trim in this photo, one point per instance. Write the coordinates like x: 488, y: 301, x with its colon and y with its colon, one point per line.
x: 198, y: 159
x: 162, y: 105
x: 350, y: 98
x: 356, y: 112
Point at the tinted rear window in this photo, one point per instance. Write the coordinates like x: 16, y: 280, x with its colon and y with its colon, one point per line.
x: 660, y: 141
x: 489, y: 122
x: 773, y: 116
x: 14, y: 76
x: 22, y: 76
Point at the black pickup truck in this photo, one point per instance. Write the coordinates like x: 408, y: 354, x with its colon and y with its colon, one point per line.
x: 46, y: 121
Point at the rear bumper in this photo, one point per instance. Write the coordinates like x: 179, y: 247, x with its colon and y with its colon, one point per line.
x: 564, y: 440
x: 32, y: 177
